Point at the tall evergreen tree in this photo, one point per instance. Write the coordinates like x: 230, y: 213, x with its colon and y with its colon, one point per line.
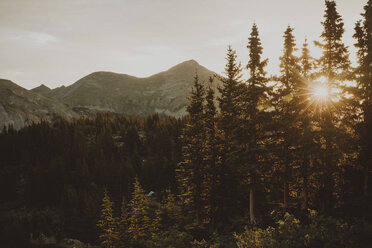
x: 168, y: 215
x: 334, y: 65
x: 190, y: 170
x: 334, y: 61
x: 108, y: 224
x: 212, y: 158
x: 123, y: 227
x: 288, y: 104
x: 307, y: 62
x: 230, y: 109
x: 139, y: 222
x: 230, y: 92
x: 253, y: 117
x: 363, y: 89
x: 305, y: 114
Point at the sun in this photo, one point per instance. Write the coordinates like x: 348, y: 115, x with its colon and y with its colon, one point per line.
x: 321, y: 92
x: 320, y: 95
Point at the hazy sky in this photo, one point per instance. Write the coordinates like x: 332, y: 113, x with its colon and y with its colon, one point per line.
x: 57, y: 42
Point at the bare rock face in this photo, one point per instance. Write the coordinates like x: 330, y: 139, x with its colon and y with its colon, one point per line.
x: 19, y: 107
x: 165, y: 92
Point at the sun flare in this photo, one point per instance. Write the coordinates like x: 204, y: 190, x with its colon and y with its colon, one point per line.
x: 321, y: 92
x: 321, y: 96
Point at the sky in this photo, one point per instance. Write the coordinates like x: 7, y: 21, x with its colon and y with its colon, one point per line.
x: 57, y: 42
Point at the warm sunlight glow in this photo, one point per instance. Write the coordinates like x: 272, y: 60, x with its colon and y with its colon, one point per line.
x: 321, y: 92
x: 320, y: 95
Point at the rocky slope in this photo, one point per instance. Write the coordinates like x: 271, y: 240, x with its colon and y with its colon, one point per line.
x: 42, y: 89
x: 165, y: 92
x: 18, y: 106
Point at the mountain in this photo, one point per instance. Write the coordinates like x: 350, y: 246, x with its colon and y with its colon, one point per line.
x: 165, y: 92
x: 19, y: 106
x: 42, y: 89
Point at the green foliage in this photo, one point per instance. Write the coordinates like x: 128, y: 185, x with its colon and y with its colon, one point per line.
x: 108, y: 224
x: 317, y: 231
x: 170, y: 238
x: 199, y: 171
x: 251, y: 126
x: 204, y: 244
x: 139, y: 222
x: 229, y: 97
x: 287, y: 100
x: 169, y: 214
x: 256, y: 64
x: 62, y: 166
x: 230, y: 109
x: 190, y: 170
x: 362, y: 92
x: 123, y: 226
x: 212, y: 152
x: 307, y: 62
x: 335, y: 58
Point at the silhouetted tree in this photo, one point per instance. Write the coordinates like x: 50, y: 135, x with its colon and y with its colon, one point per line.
x: 363, y: 90
x: 334, y: 65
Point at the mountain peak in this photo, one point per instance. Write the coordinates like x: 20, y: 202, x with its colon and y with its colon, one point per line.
x: 42, y: 86
x: 186, y: 67
x: 5, y: 83
x: 190, y: 62
x: 42, y: 89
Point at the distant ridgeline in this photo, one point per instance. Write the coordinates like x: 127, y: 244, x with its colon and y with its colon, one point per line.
x: 102, y: 92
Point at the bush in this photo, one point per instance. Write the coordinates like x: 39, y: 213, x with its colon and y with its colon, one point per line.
x: 318, y: 232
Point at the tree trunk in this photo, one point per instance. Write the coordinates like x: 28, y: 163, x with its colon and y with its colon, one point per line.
x: 286, y: 195
x: 366, y: 177
x: 328, y: 192
x: 252, y: 213
x: 304, y: 193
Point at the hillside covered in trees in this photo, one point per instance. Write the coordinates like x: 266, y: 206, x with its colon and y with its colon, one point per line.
x: 263, y: 162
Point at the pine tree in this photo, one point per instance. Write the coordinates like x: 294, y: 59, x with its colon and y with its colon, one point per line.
x: 168, y: 215
x: 229, y: 97
x: 289, y: 66
x: 139, y: 222
x: 307, y: 62
x: 190, y: 169
x: 334, y: 65
x: 307, y: 65
x: 252, y: 119
x: 108, y: 223
x: 363, y: 90
x: 230, y: 109
x: 334, y: 61
x: 287, y: 107
x: 212, y: 159
x: 123, y: 227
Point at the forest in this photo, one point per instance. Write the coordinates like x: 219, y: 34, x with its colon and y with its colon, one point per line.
x: 263, y: 162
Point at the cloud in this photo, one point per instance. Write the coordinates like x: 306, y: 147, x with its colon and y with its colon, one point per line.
x: 10, y: 73
x: 34, y: 37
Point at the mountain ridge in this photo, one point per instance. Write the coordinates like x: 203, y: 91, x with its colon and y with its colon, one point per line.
x: 165, y: 92
x: 19, y: 106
